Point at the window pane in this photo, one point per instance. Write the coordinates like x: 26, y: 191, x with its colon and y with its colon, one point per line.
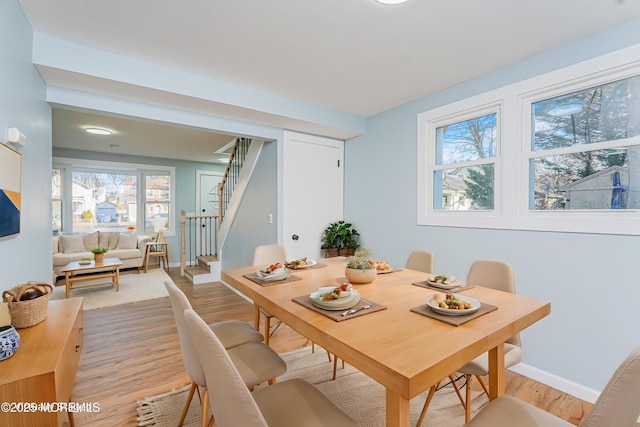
x: 587, y: 180
x: 464, y: 189
x: 56, y: 216
x: 158, y: 194
x: 103, y: 200
x: 600, y: 113
x: 467, y: 140
x: 56, y: 191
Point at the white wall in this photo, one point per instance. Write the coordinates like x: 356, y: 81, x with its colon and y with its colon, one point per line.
x: 26, y: 257
x: 585, y: 338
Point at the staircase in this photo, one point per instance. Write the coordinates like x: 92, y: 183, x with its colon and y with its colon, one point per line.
x: 203, y: 236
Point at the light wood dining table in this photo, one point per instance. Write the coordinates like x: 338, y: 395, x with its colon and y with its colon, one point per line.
x: 406, y: 352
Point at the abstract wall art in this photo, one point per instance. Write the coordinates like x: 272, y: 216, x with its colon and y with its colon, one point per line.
x: 10, y: 189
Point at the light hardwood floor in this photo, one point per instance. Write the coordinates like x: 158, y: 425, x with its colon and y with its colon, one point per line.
x: 132, y: 352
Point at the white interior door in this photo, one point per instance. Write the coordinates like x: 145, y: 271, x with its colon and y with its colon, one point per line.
x: 313, y: 189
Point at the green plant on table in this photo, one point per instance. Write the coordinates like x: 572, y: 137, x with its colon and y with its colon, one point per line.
x: 97, y: 249
x: 360, y: 260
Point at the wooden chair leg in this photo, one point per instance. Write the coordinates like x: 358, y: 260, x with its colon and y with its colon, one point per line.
x: 187, y: 404
x: 211, y: 421
x: 71, y: 421
x: 483, y: 384
x: 267, y: 330
x: 335, y: 366
x: 455, y: 386
x: 272, y: 381
x: 205, y: 407
x: 467, y: 405
x: 427, y: 402
x: 329, y: 355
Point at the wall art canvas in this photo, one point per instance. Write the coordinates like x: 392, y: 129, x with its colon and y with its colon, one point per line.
x: 10, y: 189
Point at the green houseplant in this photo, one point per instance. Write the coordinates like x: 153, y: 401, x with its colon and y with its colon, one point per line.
x: 98, y: 252
x: 339, y: 238
x: 359, y: 268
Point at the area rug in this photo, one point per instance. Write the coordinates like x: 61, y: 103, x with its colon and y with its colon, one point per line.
x: 133, y: 288
x: 355, y: 393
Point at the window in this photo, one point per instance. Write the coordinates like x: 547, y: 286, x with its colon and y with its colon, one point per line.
x: 459, y: 160
x: 557, y: 152
x: 580, y: 144
x: 56, y: 201
x: 107, y: 196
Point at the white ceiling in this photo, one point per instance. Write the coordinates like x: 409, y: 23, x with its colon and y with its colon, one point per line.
x: 353, y: 56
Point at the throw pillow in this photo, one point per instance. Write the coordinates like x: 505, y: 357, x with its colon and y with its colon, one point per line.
x: 72, y: 244
x: 128, y: 241
x: 109, y: 239
x: 90, y: 240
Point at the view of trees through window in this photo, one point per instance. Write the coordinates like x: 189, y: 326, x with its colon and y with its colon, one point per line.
x: 470, y: 147
x: 585, y: 148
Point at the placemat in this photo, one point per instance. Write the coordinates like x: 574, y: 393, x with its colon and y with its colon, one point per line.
x: 337, y: 315
x: 425, y: 310
x: 426, y: 284
x: 316, y: 265
x: 256, y: 279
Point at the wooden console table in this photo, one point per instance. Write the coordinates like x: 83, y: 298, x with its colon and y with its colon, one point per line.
x: 111, y: 265
x: 44, y: 367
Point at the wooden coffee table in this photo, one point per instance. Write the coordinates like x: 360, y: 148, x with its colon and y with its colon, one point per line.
x: 111, y: 265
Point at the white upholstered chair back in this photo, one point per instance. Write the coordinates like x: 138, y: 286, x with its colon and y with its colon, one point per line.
x: 420, y: 261
x: 180, y: 303
x: 619, y: 402
x: 231, y: 402
x: 268, y: 254
x: 494, y: 274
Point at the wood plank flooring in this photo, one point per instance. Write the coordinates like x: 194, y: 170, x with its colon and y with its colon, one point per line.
x: 132, y: 352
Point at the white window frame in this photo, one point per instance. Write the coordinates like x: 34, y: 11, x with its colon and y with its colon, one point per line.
x: 68, y: 165
x: 512, y: 176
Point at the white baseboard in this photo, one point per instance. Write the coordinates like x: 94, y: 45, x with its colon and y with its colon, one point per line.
x: 564, y: 385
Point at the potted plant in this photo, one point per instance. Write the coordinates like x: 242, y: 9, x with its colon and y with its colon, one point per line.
x: 98, y: 253
x: 359, y: 268
x: 339, y: 239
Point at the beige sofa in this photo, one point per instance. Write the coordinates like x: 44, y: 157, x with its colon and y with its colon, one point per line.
x: 129, y: 248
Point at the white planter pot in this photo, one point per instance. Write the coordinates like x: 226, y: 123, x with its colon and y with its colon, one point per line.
x: 357, y: 276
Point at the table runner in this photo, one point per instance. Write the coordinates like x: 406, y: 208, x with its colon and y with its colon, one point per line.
x: 425, y: 310
x: 426, y: 284
x: 256, y: 279
x: 305, y: 301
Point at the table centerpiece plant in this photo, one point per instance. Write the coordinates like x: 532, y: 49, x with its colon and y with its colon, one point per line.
x: 359, y: 269
x: 98, y: 252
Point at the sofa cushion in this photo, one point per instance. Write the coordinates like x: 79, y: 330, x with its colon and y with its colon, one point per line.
x: 128, y: 241
x: 71, y: 244
x: 109, y: 239
x: 90, y: 240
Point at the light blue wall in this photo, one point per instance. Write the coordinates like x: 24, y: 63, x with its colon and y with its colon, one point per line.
x: 26, y: 257
x: 585, y: 337
x: 250, y: 227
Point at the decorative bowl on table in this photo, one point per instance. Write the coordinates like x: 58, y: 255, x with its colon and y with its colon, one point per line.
x: 359, y: 276
x: 9, y: 341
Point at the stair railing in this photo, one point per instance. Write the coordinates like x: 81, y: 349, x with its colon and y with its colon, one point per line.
x: 198, y: 239
x: 231, y: 174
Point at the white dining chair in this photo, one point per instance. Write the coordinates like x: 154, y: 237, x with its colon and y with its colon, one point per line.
x: 289, y: 403
x: 617, y: 406
x: 420, y: 261
x: 256, y: 361
x: 493, y: 274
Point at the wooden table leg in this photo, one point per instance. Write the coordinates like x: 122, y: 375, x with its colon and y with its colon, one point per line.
x: 117, y: 278
x: 67, y: 284
x: 397, y: 410
x: 256, y: 316
x: 496, y: 372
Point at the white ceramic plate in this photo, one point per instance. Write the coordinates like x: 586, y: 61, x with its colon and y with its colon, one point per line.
x: 389, y: 270
x: 338, y: 304
x: 278, y: 274
x: 310, y: 263
x: 475, y: 305
x: 456, y: 284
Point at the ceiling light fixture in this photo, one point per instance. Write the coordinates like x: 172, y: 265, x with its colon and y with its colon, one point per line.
x: 99, y: 131
x: 391, y: 1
